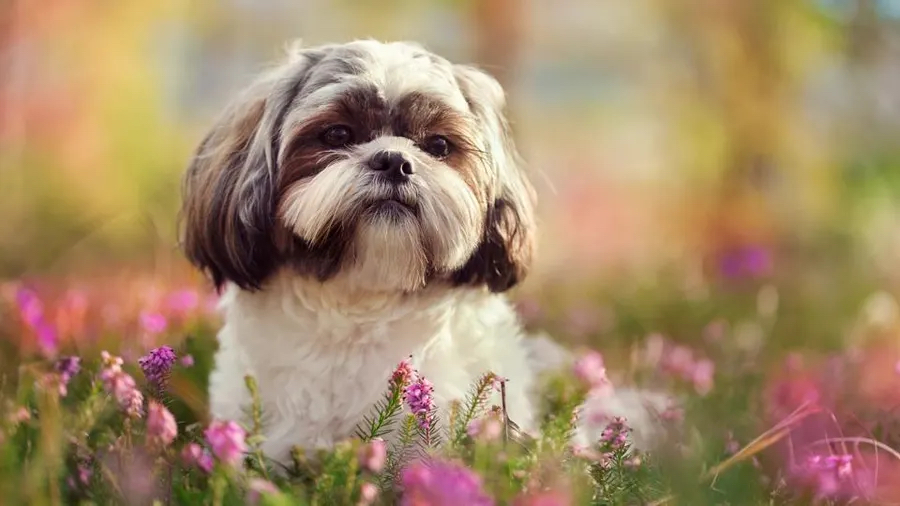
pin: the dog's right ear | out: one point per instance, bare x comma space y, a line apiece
228, 226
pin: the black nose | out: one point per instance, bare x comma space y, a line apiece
392, 165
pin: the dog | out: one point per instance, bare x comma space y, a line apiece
358, 204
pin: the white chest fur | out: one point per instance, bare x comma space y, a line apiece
322, 355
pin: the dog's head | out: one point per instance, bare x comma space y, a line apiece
382, 162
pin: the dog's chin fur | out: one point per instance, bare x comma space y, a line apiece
322, 353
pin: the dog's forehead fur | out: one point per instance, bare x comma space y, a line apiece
381, 81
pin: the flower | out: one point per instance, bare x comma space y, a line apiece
419, 397
20, 415
403, 374
702, 376
161, 425
544, 498
67, 367
258, 487
486, 428
195, 455
615, 435
121, 385
831, 476
591, 370
157, 364
183, 301
226, 439
187, 361
372, 455
437, 483
367, 494
31, 310
153, 323
748, 261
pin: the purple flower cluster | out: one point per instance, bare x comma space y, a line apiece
157, 365
121, 385
419, 396
227, 441
439, 483
615, 435
67, 367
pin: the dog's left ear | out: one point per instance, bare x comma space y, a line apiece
504, 256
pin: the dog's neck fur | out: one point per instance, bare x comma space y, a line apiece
322, 352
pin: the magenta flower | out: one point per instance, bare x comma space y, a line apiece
31, 309
439, 483
226, 439
157, 365
419, 396
161, 425
372, 456
749, 261
121, 385
592, 371
153, 323
183, 301
195, 455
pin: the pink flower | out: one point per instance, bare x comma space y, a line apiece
440, 483
161, 425
372, 455
368, 492
486, 428
259, 487
615, 435
702, 376
829, 476
20, 415
194, 455
226, 439
153, 323
183, 301
121, 385
591, 370
419, 397
403, 374
187, 361
31, 310
545, 498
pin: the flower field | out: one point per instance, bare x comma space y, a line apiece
103, 402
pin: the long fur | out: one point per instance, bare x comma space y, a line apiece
331, 274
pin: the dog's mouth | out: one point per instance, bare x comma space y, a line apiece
393, 206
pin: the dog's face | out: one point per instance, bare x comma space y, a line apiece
380, 162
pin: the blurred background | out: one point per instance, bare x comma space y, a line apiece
684, 152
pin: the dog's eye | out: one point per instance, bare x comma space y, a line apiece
437, 146
337, 136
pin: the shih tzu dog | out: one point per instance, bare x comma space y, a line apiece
360, 203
